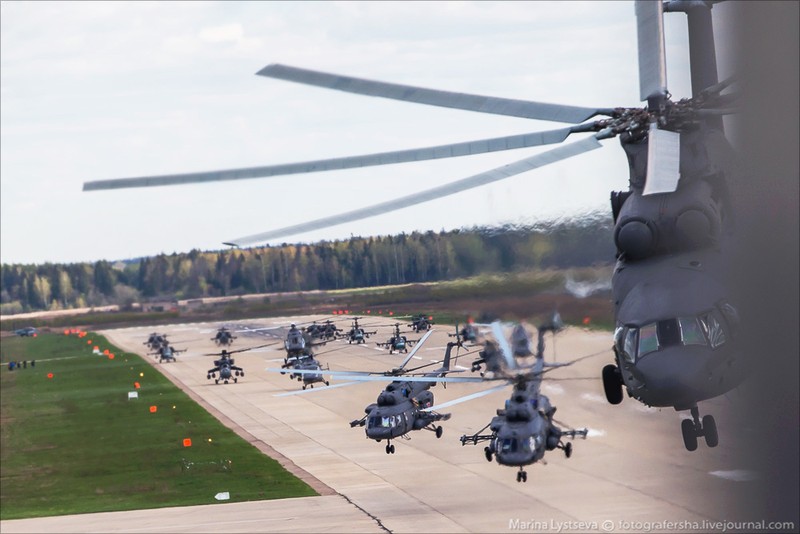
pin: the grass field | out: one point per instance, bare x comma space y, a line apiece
71, 441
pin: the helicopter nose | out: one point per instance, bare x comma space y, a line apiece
680, 376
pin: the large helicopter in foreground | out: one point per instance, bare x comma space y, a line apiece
676, 319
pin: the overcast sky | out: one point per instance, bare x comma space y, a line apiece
96, 90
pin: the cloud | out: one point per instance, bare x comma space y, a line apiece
220, 34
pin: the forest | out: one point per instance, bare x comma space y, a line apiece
355, 262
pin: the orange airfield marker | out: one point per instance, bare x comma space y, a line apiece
187, 442
153, 409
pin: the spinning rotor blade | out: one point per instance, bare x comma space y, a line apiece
433, 97
373, 377
453, 150
487, 177
503, 345
416, 348
465, 398
304, 391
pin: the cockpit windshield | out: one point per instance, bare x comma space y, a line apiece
707, 329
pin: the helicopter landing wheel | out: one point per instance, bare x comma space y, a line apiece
241, 373
216, 380
304, 387
208, 377
568, 450
612, 384
226, 381
391, 448
235, 380
689, 434
710, 431
327, 383
438, 432
522, 476
488, 452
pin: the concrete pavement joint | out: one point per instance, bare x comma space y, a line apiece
378, 521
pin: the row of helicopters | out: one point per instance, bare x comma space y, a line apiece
298, 344
518, 435
677, 320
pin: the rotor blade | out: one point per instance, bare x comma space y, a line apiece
352, 375
312, 390
652, 62
502, 344
494, 175
433, 97
465, 398
416, 348
453, 150
663, 161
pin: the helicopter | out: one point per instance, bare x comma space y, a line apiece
155, 340
357, 334
676, 318
422, 322
298, 343
523, 431
166, 353
312, 369
226, 367
400, 407
468, 332
398, 342
223, 337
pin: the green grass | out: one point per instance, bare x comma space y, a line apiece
74, 443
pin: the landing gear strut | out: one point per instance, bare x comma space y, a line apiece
694, 428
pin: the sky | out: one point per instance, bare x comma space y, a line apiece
98, 90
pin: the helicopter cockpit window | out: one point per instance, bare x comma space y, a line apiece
669, 333
629, 349
385, 422
713, 329
691, 333
648, 339
509, 445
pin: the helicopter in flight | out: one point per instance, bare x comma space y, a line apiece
166, 353
524, 430
312, 371
398, 342
357, 334
226, 367
224, 337
155, 340
676, 316
400, 407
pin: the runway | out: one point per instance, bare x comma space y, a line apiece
632, 471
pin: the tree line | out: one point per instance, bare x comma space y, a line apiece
355, 262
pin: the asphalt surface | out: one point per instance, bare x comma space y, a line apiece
631, 473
